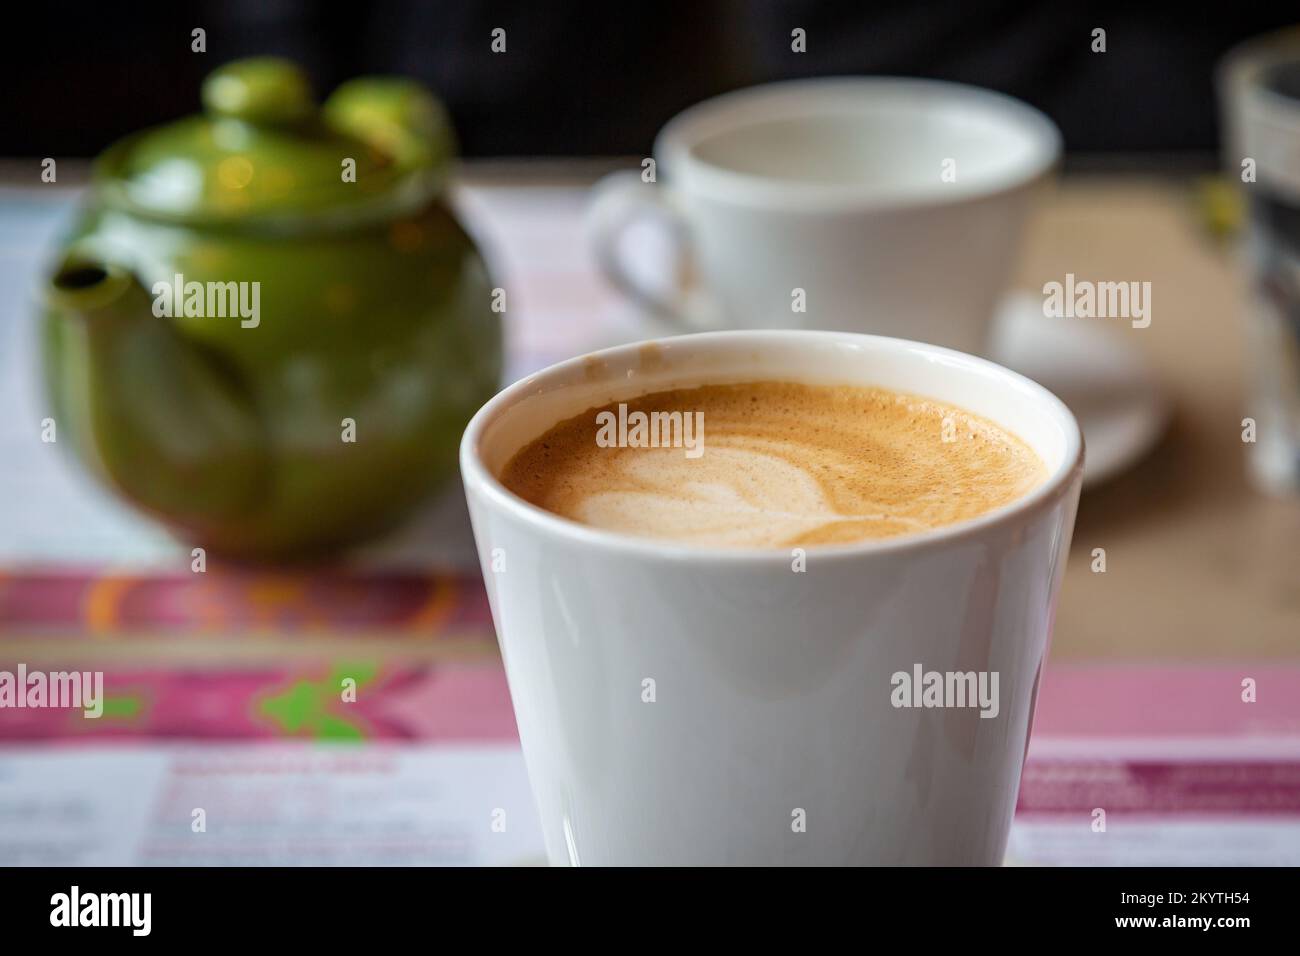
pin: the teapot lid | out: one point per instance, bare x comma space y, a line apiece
262, 151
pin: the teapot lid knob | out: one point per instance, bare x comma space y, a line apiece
262, 90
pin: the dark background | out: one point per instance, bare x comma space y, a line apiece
599, 78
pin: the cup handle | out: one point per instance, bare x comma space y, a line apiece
622, 199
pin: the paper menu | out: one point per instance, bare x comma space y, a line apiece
287, 804
424, 804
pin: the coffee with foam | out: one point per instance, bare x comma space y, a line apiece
774, 464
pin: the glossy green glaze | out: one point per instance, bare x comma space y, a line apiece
227, 421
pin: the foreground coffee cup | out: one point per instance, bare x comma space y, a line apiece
863, 204
689, 705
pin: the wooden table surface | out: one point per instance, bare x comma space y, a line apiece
1199, 564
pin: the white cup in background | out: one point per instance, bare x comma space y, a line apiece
772, 686
894, 204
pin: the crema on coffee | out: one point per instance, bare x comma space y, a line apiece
773, 464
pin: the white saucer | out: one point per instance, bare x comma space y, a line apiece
1105, 381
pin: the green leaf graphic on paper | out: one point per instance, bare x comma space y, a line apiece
313, 708
127, 706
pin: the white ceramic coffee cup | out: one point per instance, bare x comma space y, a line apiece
772, 687
895, 205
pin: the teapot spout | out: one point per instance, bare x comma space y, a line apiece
90, 287
162, 419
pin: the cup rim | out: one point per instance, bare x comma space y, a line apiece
1242, 69
477, 477
792, 99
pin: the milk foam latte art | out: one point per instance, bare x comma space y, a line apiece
784, 465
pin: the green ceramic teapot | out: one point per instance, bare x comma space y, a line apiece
266, 328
